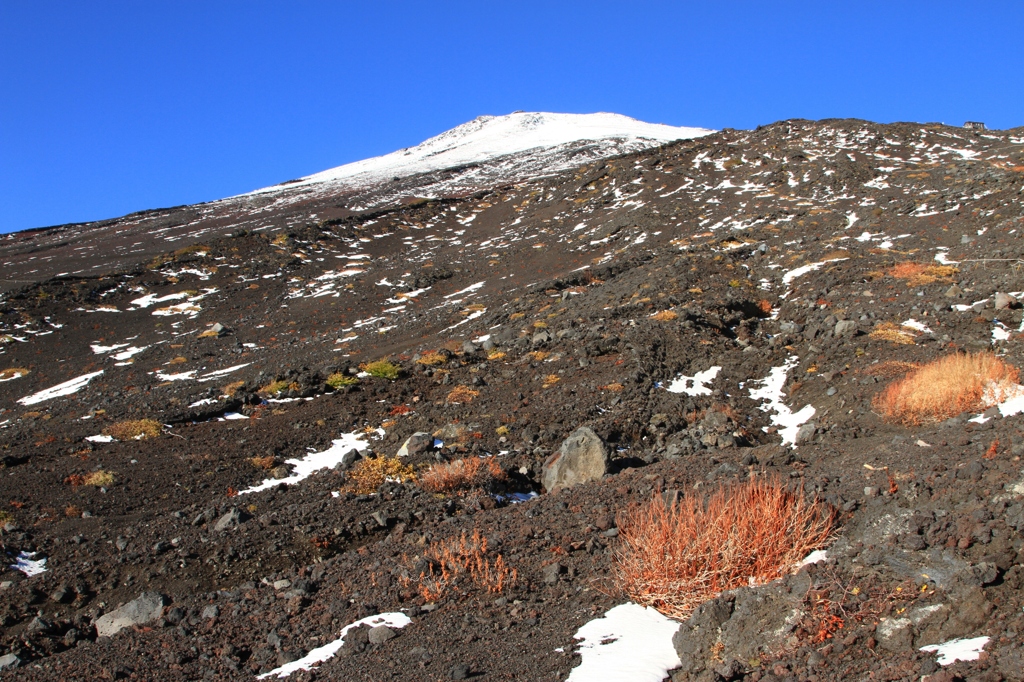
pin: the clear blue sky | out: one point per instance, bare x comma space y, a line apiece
112, 107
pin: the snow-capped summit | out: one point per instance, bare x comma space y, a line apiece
487, 139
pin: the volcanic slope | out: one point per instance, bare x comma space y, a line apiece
810, 262
488, 152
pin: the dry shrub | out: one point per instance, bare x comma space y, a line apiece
462, 474
454, 563
208, 334
12, 373
232, 388
431, 358
97, 478
177, 361
665, 316
889, 331
496, 355
461, 395
265, 463
279, 386
369, 474
614, 387
946, 387
765, 306
136, 429
918, 274
550, 380
539, 355
675, 556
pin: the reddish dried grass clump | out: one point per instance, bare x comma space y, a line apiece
461, 395
462, 474
454, 563
675, 556
917, 274
944, 388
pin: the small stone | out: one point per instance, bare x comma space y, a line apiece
870, 491
954, 292
120, 543
805, 433
9, 661
147, 608
280, 472
582, 457
282, 584
419, 442
552, 571
231, 519
846, 328
1004, 301
460, 672
210, 612
381, 634
468, 347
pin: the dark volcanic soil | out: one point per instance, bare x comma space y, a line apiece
761, 249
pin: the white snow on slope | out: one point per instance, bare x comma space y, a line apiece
67, 388
698, 384
787, 421
28, 564
321, 654
957, 650
490, 137
629, 644
315, 461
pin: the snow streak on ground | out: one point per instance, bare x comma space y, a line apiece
321, 654
27, 564
67, 388
955, 650
771, 393
698, 384
629, 643
315, 461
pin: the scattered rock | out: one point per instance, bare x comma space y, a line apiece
581, 458
417, 443
145, 609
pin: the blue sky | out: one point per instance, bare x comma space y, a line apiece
112, 107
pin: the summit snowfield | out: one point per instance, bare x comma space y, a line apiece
488, 138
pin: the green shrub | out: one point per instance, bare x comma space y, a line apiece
339, 380
382, 369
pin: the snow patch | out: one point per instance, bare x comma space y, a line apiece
698, 384
771, 395
955, 650
28, 564
629, 642
304, 467
320, 654
804, 269
67, 388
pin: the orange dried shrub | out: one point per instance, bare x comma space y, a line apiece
675, 556
456, 563
462, 474
917, 274
946, 387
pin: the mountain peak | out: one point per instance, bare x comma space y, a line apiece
487, 138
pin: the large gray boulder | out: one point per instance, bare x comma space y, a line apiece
582, 457
147, 608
